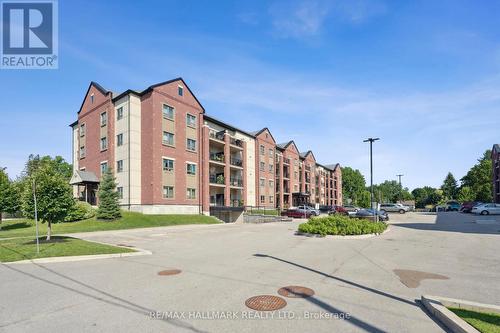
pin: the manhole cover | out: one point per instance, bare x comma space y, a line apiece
295, 292
265, 303
170, 272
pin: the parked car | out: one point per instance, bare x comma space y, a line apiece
369, 213
393, 208
486, 209
468, 205
452, 206
351, 208
299, 213
326, 208
313, 211
338, 210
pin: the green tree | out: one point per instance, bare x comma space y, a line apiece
449, 187
465, 194
353, 185
57, 163
109, 208
391, 191
364, 200
9, 195
53, 196
421, 195
479, 178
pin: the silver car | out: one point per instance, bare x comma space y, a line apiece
313, 211
393, 208
486, 209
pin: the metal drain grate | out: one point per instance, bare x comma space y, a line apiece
170, 272
296, 292
265, 303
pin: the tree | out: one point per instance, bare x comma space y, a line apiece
58, 164
9, 195
353, 185
465, 194
109, 208
391, 191
426, 196
479, 178
53, 196
364, 199
450, 186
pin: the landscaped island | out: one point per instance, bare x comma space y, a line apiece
483, 322
341, 225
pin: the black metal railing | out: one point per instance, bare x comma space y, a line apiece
217, 135
217, 157
217, 179
233, 181
236, 142
236, 161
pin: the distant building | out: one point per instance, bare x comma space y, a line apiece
495, 159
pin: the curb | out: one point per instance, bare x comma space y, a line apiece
437, 307
343, 237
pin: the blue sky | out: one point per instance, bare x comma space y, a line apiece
424, 76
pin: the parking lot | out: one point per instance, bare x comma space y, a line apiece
373, 282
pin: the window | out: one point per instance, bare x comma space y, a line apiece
296, 175
92, 99
104, 118
262, 199
191, 169
119, 166
270, 168
120, 192
119, 140
104, 143
271, 199
168, 112
168, 164
191, 145
180, 90
168, 139
262, 150
296, 188
119, 113
104, 167
168, 192
271, 184
262, 166
271, 152
262, 182
191, 120
82, 151
191, 193
82, 130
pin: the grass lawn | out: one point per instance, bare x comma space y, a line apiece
129, 220
59, 246
483, 322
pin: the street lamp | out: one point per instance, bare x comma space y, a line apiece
371, 140
400, 187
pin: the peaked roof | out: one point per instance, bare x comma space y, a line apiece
224, 124
98, 87
80, 176
257, 133
332, 166
496, 147
305, 153
284, 145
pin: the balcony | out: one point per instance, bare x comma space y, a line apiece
217, 135
217, 179
286, 161
217, 157
308, 168
236, 162
236, 142
236, 182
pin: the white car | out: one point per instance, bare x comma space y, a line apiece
393, 208
313, 211
486, 209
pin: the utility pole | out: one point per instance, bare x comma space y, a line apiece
36, 218
399, 176
401, 188
371, 140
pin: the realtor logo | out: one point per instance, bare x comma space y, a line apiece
29, 35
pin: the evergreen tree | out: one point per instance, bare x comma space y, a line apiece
450, 186
479, 178
109, 208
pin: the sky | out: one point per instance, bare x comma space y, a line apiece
423, 76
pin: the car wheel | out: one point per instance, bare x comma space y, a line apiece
402, 211
383, 212
485, 212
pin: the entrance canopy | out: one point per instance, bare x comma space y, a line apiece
83, 177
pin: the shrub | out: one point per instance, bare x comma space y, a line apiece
80, 211
341, 225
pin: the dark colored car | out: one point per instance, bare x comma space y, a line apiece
326, 208
467, 206
338, 210
369, 213
299, 213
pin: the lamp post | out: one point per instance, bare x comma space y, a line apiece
371, 140
401, 188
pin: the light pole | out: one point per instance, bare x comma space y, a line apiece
371, 140
400, 187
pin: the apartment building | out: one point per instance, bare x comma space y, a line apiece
169, 156
495, 175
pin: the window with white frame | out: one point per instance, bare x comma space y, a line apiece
119, 166
262, 149
92, 99
271, 152
271, 184
119, 189
168, 164
119, 140
168, 139
82, 130
168, 112
168, 192
119, 113
262, 199
191, 169
104, 167
271, 199
180, 91
104, 118
262, 182
271, 167
191, 144
191, 193
262, 166
104, 143
191, 120
82, 151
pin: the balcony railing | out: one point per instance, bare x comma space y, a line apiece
217, 135
286, 175
236, 142
236, 161
217, 179
236, 202
233, 181
217, 157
